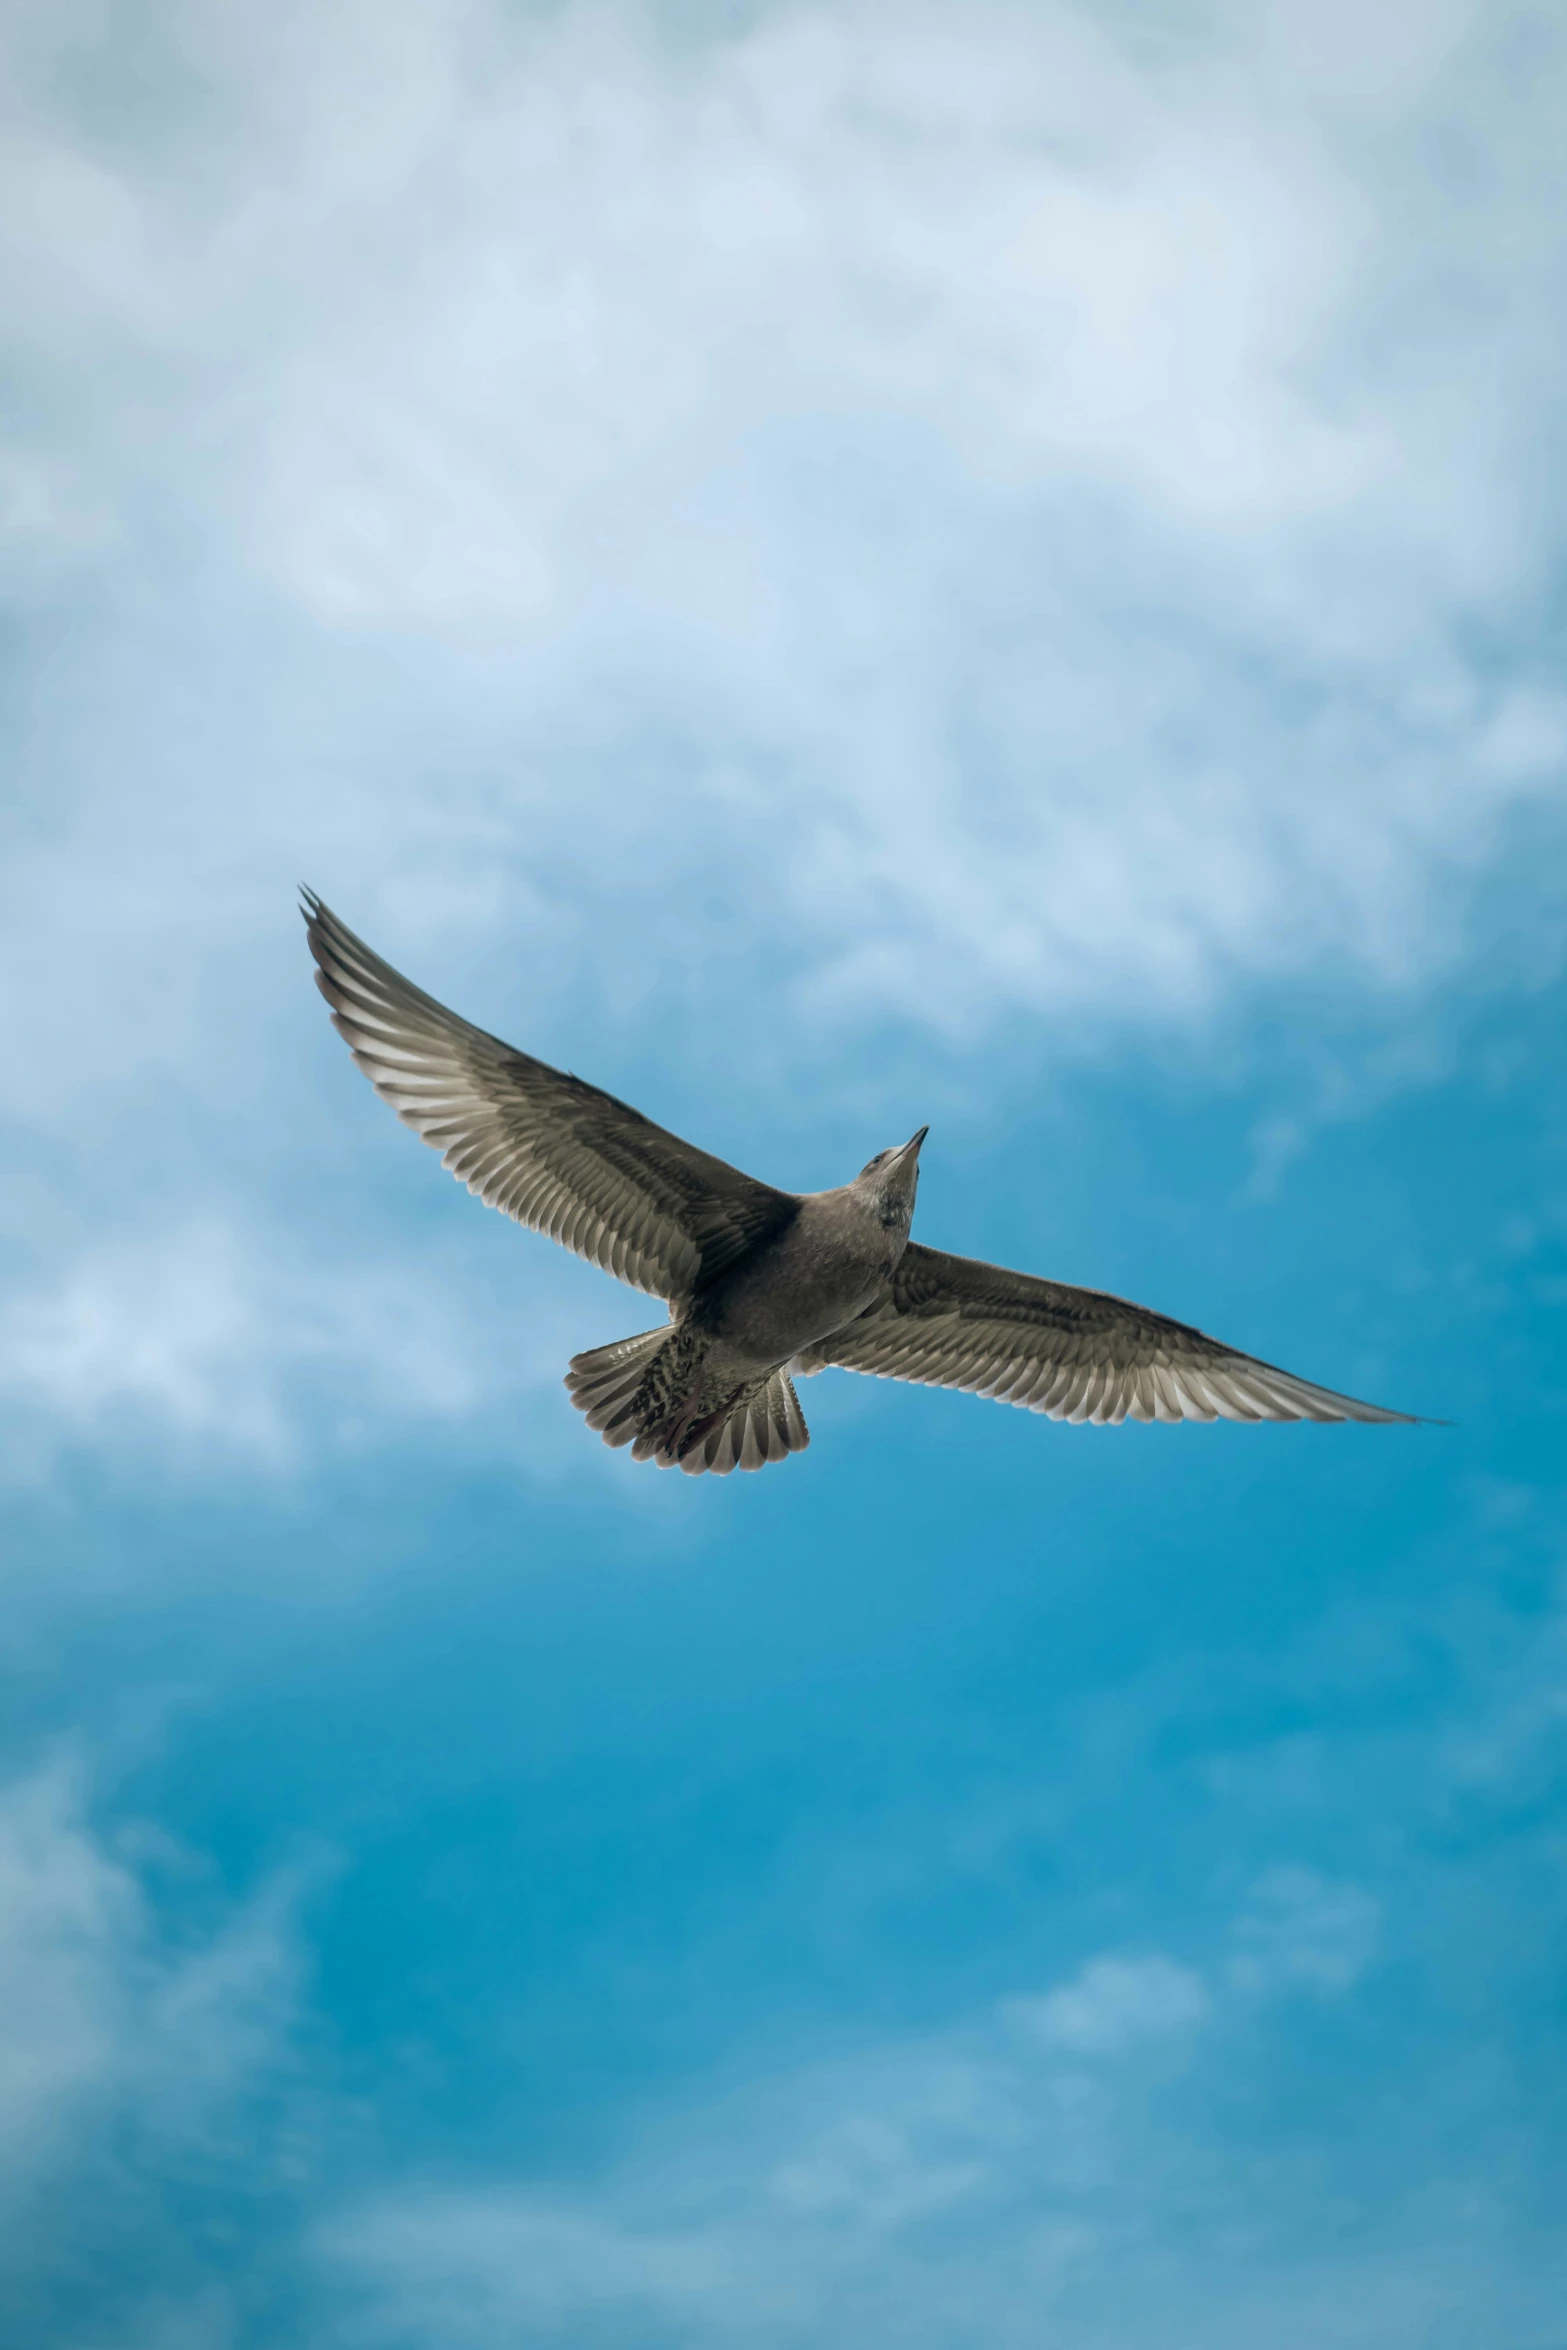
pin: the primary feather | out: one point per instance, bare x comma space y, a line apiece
540, 1145
1073, 1354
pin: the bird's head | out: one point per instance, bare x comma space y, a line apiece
892, 1178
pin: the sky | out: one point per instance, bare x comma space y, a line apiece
828, 567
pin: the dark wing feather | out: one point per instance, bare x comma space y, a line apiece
542, 1146
1076, 1354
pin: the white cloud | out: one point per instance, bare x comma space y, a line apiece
1115, 2003
980, 2169
229, 1346
149, 2090
1047, 2173
949, 512
1303, 1931
100, 2016
66, 1913
1060, 470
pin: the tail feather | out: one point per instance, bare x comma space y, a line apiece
764, 1426
606, 1382
640, 1391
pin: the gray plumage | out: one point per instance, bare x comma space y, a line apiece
762, 1283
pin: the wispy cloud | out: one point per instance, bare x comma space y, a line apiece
1046, 482
67, 1913
225, 1347
1301, 1931
998, 2175
134, 2060
1071, 2162
98, 2005
855, 514
1115, 2003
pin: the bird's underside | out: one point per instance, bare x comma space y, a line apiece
700, 1392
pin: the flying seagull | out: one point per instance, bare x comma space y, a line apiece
762, 1286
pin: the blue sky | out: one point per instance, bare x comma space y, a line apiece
829, 568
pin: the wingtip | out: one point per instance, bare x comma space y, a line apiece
309, 904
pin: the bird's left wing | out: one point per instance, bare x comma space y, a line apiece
538, 1144
1076, 1354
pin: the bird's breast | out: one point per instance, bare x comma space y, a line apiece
801, 1286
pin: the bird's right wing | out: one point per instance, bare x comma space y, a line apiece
1076, 1354
536, 1143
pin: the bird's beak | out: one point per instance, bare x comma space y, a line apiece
911, 1149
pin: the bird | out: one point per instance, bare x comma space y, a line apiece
763, 1286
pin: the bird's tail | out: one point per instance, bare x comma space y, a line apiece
616, 1385
763, 1423
646, 1392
